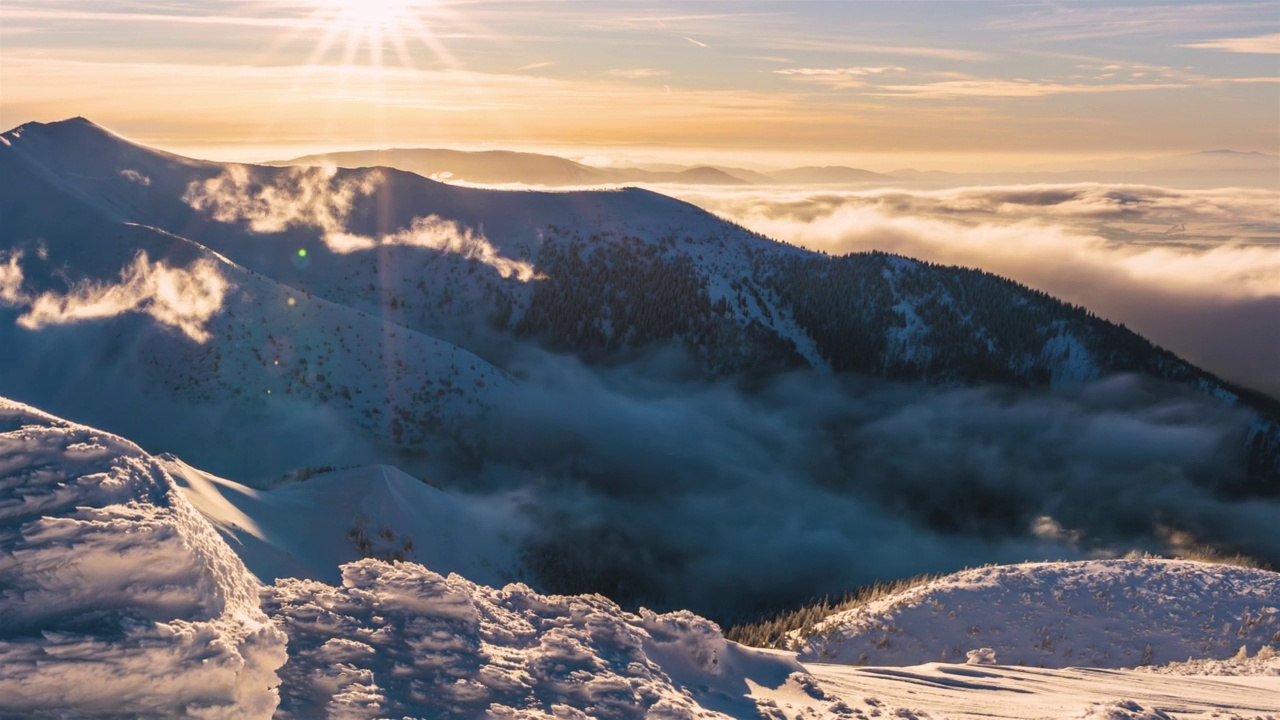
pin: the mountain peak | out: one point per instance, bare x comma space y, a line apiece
84, 145
76, 132
78, 120
75, 124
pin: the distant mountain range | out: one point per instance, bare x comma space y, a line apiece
257, 320
1214, 168
500, 167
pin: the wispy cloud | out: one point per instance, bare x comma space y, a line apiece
315, 197
135, 176
637, 73
300, 196
825, 72
696, 42
839, 78
1060, 22
435, 233
844, 45
1258, 44
997, 88
133, 17
11, 278
538, 65
181, 298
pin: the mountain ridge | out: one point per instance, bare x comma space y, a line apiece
588, 348
636, 231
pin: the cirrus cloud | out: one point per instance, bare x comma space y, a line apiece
1259, 44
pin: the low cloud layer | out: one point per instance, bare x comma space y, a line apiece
315, 197
1195, 271
181, 298
730, 501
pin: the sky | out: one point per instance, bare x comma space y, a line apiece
950, 85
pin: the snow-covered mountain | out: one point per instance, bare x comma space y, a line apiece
590, 272
120, 599
624, 358
184, 337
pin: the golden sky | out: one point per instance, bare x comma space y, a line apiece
960, 82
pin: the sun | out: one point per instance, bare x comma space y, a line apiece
373, 27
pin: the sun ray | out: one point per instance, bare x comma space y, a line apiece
380, 25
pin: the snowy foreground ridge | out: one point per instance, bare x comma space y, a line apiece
116, 596
1110, 614
119, 598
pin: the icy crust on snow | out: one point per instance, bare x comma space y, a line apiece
397, 640
1099, 613
116, 597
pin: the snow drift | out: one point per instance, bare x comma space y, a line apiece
116, 597
1099, 613
400, 640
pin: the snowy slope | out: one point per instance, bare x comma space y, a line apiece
145, 332
308, 529
443, 260
116, 597
965, 692
1100, 613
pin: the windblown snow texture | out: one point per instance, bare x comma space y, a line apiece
400, 640
117, 599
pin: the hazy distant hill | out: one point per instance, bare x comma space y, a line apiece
827, 175
493, 167
1207, 169
500, 167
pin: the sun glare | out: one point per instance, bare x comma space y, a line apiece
369, 13
373, 27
